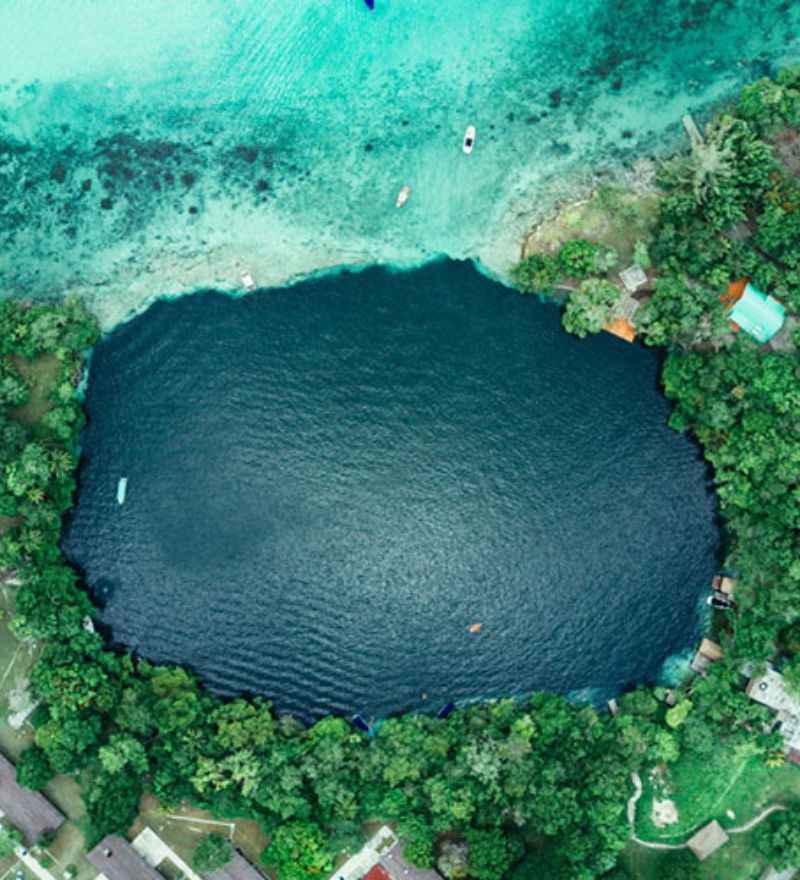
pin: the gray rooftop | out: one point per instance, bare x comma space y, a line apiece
238, 868
399, 869
29, 811
707, 840
116, 859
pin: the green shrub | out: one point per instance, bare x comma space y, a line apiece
213, 852
536, 273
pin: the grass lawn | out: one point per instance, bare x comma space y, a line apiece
742, 784
610, 216
41, 376
184, 828
735, 861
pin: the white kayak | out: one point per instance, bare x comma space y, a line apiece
469, 139
402, 196
247, 281
122, 489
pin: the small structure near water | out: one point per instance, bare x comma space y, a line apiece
758, 314
707, 840
708, 652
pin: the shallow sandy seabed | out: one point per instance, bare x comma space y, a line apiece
149, 150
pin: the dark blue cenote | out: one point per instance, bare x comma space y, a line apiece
330, 483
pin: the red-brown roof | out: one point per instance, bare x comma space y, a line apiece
377, 873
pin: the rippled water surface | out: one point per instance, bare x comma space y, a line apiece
328, 485
149, 147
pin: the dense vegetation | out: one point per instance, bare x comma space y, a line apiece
525, 790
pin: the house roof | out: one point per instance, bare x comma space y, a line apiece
238, 868
707, 840
768, 690
621, 327
757, 313
29, 811
710, 649
399, 869
377, 873
116, 859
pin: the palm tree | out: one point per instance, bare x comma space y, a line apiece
710, 161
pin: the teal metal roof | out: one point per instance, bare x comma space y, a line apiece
757, 314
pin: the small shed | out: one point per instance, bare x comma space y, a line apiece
707, 840
116, 859
710, 649
622, 328
29, 811
757, 313
238, 868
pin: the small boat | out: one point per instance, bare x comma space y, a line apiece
469, 139
476, 627
358, 721
247, 280
720, 600
122, 488
402, 196
445, 710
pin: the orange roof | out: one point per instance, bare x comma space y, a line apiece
377, 873
623, 328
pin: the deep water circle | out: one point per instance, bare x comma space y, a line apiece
329, 484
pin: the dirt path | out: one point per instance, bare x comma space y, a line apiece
740, 829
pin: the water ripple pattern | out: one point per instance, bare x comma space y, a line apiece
328, 485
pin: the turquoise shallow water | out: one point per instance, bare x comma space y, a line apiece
323, 498
148, 148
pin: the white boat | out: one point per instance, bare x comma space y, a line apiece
247, 280
469, 139
122, 488
402, 196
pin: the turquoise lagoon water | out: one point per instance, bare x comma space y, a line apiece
149, 148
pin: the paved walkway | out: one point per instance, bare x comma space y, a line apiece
33, 864
154, 851
740, 829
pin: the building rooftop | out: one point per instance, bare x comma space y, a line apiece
238, 868
621, 327
399, 869
710, 649
768, 690
116, 859
707, 840
29, 811
757, 313
377, 873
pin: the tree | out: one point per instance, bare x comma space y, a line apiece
778, 838
33, 769
536, 273
491, 853
213, 852
298, 852
579, 258
10, 839
591, 307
